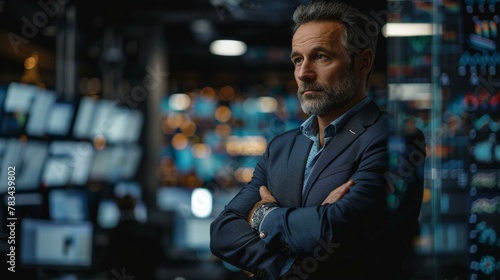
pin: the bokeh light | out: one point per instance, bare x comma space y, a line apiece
267, 104
99, 142
179, 101
201, 151
208, 93
31, 62
223, 114
243, 174
179, 141
223, 130
226, 93
201, 203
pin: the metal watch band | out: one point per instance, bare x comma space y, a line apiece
259, 214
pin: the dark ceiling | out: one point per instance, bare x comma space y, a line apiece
264, 25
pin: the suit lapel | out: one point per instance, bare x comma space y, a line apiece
347, 135
295, 170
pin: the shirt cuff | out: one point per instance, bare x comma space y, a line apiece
286, 267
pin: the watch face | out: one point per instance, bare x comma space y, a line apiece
259, 214
257, 217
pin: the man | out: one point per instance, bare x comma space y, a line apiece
317, 205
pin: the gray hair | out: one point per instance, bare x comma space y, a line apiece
360, 32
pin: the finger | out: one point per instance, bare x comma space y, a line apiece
264, 191
266, 195
348, 184
248, 273
343, 189
338, 193
331, 198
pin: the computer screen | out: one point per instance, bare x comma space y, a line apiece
19, 97
116, 163
175, 199
27, 159
108, 213
124, 161
101, 119
57, 172
39, 113
104, 118
100, 165
68, 163
15, 103
59, 119
82, 154
192, 234
124, 125
81, 128
69, 205
132, 188
56, 243
32, 158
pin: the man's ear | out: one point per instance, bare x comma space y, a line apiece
365, 61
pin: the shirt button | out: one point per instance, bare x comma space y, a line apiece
262, 234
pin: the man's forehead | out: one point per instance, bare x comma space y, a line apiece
317, 31
319, 28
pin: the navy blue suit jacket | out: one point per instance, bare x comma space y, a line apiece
360, 236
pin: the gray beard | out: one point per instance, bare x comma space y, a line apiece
331, 97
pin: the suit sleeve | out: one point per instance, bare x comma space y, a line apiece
232, 238
359, 217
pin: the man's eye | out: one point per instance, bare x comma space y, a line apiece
297, 60
320, 56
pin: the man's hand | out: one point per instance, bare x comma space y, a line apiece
338, 193
248, 273
266, 197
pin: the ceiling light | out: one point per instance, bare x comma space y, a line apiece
228, 47
408, 29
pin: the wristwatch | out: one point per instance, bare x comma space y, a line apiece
259, 214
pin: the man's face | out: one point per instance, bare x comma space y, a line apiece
325, 75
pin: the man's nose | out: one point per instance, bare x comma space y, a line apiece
306, 71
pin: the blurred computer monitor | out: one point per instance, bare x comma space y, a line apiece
116, 163
175, 199
132, 188
59, 119
83, 119
28, 160
46, 243
192, 234
68, 205
39, 113
17, 101
68, 162
108, 213
57, 171
19, 97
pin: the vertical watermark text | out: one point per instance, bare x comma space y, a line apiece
11, 219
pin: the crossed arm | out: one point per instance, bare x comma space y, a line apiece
267, 197
333, 196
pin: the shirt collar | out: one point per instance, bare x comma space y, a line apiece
310, 126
